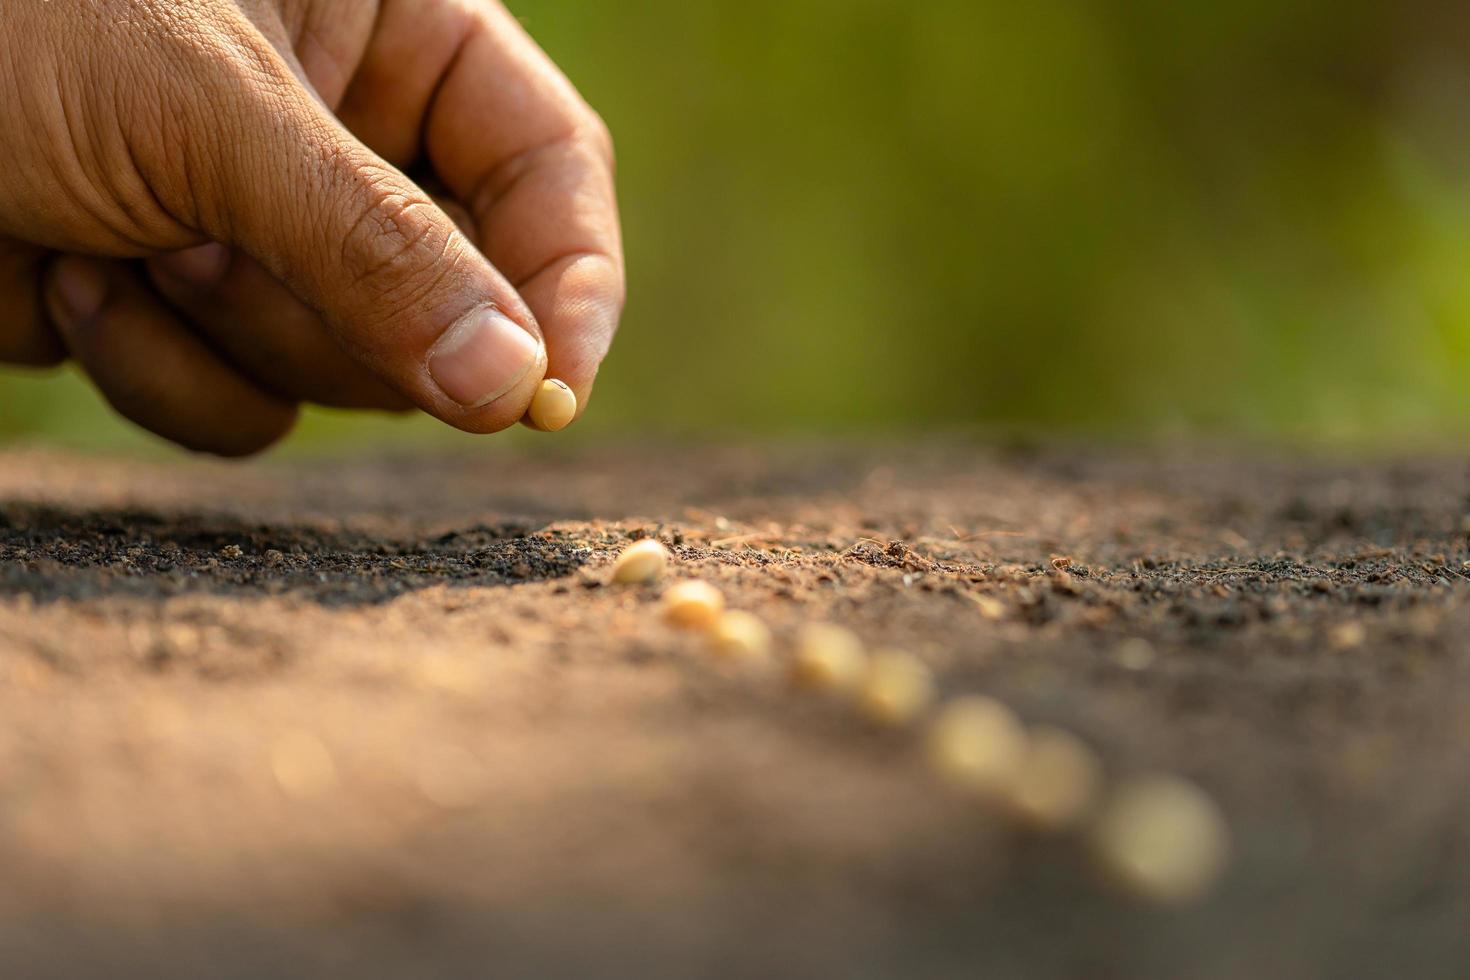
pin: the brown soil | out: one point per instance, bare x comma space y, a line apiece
385, 719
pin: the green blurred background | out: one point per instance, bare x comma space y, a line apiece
1135, 217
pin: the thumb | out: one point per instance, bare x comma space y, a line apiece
390, 273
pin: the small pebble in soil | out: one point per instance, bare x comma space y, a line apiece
741, 636
1161, 839
827, 658
896, 689
641, 562
693, 604
1059, 780
977, 744
554, 406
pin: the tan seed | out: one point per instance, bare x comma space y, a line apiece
302, 765
451, 777
1162, 839
1058, 782
641, 562
896, 689
554, 406
693, 604
1346, 636
827, 658
739, 635
1135, 653
977, 744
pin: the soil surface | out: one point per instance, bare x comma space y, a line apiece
386, 718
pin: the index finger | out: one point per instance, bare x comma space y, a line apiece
512, 139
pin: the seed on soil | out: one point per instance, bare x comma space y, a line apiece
977, 744
896, 689
1059, 780
451, 777
739, 635
1346, 636
827, 658
302, 765
641, 562
1135, 653
693, 604
554, 406
1162, 839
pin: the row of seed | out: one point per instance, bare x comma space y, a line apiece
1157, 836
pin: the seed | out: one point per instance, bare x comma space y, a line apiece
554, 406
1058, 782
1346, 636
896, 689
977, 744
828, 658
302, 765
641, 562
693, 604
1135, 653
451, 777
456, 675
739, 635
1162, 839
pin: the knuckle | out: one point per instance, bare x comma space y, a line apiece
396, 246
596, 133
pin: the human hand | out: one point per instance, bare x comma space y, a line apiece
249, 152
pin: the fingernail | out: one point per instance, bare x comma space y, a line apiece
482, 357
202, 266
80, 287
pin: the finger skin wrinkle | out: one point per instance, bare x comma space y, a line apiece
332, 41
500, 180
392, 240
569, 258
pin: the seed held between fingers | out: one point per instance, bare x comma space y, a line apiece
693, 604
741, 636
828, 658
896, 689
641, 562
977, 744
554, 406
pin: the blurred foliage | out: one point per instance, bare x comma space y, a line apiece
1131, 216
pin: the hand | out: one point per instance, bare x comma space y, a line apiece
249, 153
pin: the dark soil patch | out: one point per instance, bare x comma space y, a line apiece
50, 554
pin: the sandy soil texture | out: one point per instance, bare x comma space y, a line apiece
386, 718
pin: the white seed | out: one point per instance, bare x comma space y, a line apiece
896, 689
693, 604
554, 406
302, 765
641, 562
1058, 782
827, 658
739, 635
978, 745
1162, 839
